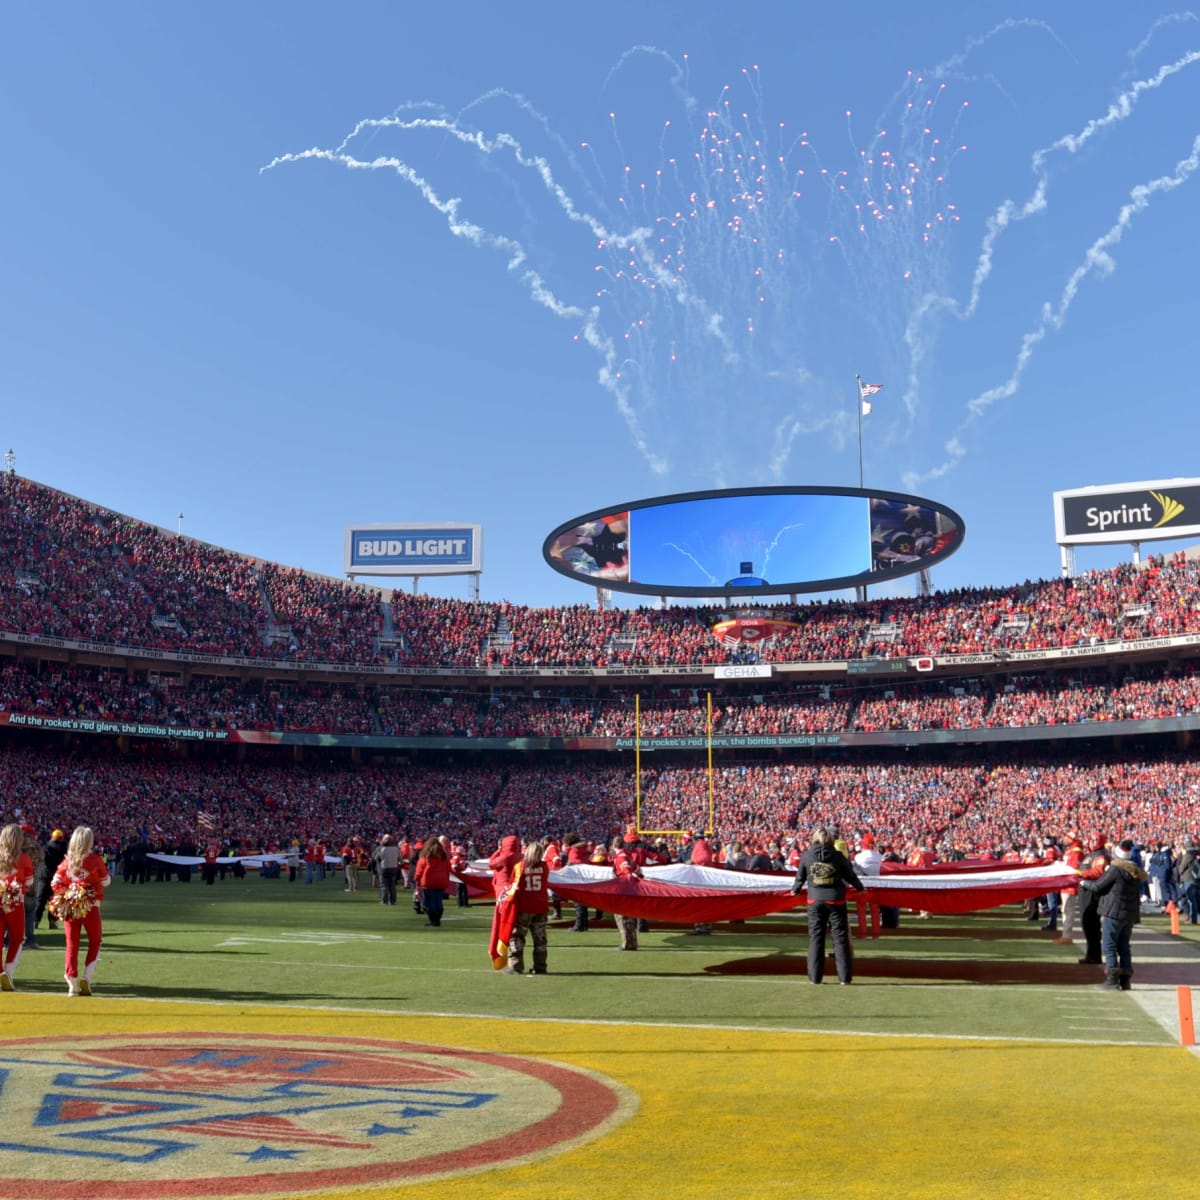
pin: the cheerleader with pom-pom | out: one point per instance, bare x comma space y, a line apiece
78, 889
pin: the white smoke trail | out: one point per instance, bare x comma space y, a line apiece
1179, 18
712, 283
708, 575
764, 570
1006, 215
678, 73
950, 65
637, 239
1097, 260
836, 425
1009, 213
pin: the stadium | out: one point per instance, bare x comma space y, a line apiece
170, 693
972, 721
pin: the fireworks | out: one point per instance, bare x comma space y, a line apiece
730, 268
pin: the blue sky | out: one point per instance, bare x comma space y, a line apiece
680, 231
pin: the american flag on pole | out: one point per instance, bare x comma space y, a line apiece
865, 390
206, 820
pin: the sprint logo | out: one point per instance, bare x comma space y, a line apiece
1170, 508
1135, 516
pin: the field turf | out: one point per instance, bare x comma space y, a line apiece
966, 1051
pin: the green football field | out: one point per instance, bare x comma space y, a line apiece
963, 1044
271, 942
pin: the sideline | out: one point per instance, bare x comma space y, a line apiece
824, 1031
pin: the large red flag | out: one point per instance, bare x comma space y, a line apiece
503, 919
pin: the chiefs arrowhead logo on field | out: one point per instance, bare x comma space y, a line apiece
160, 1115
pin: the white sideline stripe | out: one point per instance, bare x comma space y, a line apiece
820, 1030
674, 951
291, 962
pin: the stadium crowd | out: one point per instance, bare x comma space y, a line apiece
987, 805
206, 702
70, 569
73, 570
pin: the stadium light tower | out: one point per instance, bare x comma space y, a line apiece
10, 462
181, 524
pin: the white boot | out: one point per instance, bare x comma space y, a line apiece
73, 988
6, 979
85, 980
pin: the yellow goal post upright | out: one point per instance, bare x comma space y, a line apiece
637, 770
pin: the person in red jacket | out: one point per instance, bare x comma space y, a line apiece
78, 888
502, 863
350, 864
505, 866
432, 876
458, 862
211, 853
552, 857
532, 898
701, 856
16, 883
627, 862
1072, 857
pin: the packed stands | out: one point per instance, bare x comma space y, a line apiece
364, 709
73, 570
248, 646
976, 806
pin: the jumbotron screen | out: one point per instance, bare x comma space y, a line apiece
754, 541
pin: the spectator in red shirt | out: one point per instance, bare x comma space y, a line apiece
432, 876
533, 906
701, 855
628, 860
503, 862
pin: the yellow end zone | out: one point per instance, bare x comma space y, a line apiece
752, 1114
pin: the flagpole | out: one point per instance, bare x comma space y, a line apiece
858, 390
860, 592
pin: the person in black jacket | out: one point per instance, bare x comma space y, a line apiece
826, 872
1119, 904
55, 852
1187, 882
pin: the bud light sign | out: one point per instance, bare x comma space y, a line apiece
433, 549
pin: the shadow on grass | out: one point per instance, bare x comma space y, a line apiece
111, 944
904, 970
202, 995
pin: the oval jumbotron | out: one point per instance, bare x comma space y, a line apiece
754, 541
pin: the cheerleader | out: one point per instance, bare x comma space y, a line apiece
16, 882
78, 889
